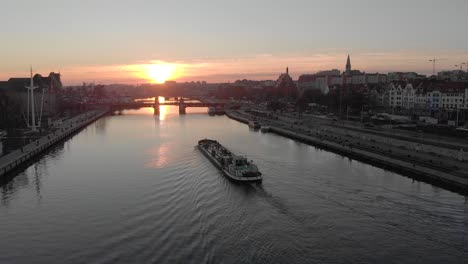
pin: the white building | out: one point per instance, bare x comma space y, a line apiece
434, 98
421, 100
408, 96
402, 95
394, 95
452, 99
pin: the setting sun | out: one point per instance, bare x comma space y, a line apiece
159, 73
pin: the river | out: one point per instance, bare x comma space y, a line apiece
133, 188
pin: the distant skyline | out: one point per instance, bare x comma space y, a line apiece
219, 41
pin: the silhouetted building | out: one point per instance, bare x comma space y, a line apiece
348, 66
285, 86
46, 95
456, 75
404, 76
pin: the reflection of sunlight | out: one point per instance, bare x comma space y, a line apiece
162, 112
161, 99
146, 111
149, 99
158, 156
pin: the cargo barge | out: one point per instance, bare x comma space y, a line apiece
235, 167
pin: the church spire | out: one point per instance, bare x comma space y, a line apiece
348, 65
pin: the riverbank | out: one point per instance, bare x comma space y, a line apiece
16, 158
413, 163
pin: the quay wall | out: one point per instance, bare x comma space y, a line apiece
13, 160
457, 154
399, 165
418, 143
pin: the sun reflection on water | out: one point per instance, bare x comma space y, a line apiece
158, 156
163, 112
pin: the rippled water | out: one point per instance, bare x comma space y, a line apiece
132, 188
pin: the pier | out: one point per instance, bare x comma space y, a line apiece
15, 159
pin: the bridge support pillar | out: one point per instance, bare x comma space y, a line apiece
182, 109
156, 105
182, 106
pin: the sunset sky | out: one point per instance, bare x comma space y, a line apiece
149, 41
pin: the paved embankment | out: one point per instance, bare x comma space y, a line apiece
16, 158
371, 155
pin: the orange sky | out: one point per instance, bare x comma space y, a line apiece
259, 67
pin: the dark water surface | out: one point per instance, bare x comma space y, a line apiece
133, 189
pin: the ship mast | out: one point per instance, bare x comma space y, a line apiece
31, 88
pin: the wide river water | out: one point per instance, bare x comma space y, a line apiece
133, 188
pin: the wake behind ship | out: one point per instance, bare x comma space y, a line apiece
237, 168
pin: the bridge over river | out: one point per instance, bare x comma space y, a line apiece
156, 104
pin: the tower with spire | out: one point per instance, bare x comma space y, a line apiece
285, 86
348, 65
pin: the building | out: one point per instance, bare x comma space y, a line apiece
348, 66
46, 96
404, 76
374, 78
285, 86
320, 80
334, 78
452, 95
456, 75
427, 96
351, 76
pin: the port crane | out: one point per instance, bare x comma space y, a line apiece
434, 60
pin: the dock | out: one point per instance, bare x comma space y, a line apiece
15, 159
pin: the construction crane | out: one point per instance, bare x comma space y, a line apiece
434, 63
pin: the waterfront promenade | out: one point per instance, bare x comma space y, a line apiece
16, 158
438, 168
